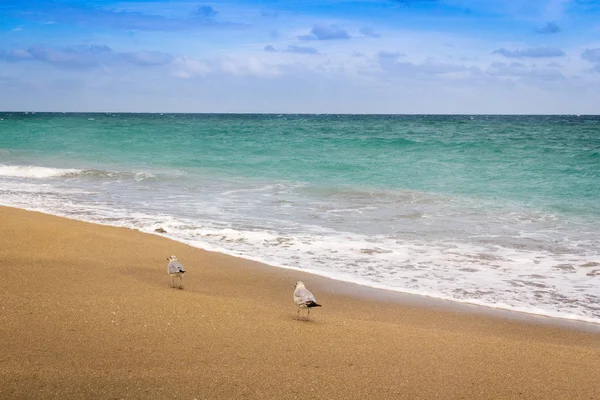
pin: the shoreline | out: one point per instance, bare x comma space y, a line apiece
383, 293
364, 290
88, 312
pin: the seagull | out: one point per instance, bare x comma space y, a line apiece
304, 299
175, 269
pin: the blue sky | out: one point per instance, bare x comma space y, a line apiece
296, 56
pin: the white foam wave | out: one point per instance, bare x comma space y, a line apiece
38, 172
485, 272
32, 171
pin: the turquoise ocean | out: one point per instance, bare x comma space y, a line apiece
501, 211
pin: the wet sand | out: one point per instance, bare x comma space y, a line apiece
87, 312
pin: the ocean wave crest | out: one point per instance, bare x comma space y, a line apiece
32, 171
37, 172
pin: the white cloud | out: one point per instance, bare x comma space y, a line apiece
520, 70
186, 67
349, 64
86, 57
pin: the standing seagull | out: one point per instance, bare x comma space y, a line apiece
304, 299
175, 269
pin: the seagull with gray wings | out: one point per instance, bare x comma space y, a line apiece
175, 269
304, 299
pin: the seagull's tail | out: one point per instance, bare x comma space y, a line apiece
312, 304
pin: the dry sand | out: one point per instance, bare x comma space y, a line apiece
88, 313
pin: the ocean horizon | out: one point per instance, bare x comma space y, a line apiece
495, 210
200, 113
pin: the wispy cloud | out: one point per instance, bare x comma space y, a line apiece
389, 56
390, 63
187, 67
45, 11
533, 52
18, 55
292, 49
268, 13
145, 58
302, 50
593, 56
205, 13
370, 32
520, 70
86, 57
549, 28
324, 32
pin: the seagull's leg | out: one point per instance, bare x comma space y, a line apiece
180, 281
298, 314
308, 314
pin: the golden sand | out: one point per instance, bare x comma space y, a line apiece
88, 313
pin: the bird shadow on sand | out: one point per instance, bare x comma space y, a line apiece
303, 320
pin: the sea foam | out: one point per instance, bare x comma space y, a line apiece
35, 172
39, 172
526, 280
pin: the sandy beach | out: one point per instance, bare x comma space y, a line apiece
88, 313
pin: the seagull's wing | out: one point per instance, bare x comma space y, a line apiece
303, 296
175, 267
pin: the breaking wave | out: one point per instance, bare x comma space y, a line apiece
32, 171
37, 172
